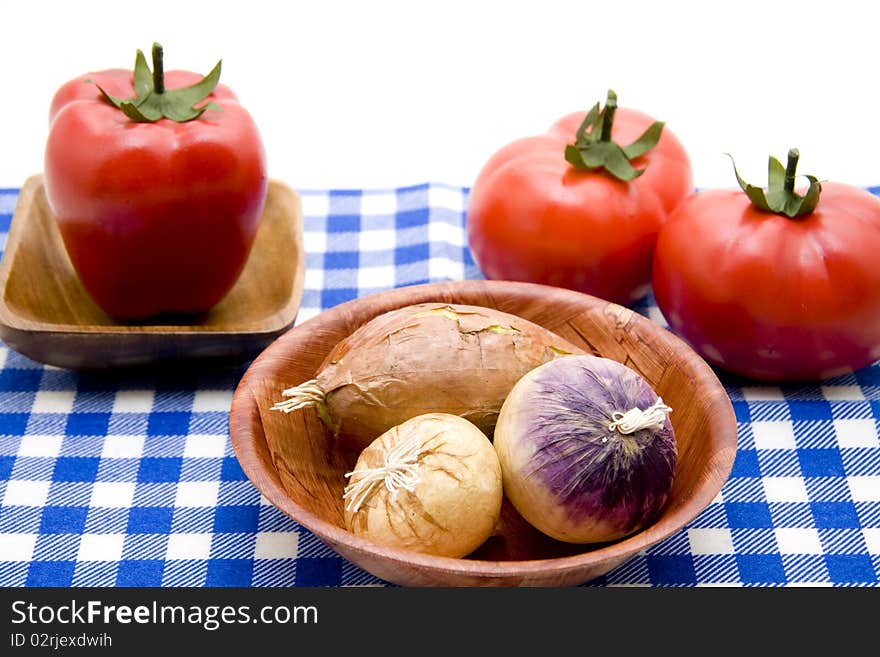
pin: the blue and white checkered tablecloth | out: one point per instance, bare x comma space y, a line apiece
120, 479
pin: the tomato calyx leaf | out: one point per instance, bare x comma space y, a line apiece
780, 196
152, 101
593, 147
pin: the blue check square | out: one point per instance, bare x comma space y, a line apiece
87, 424
63, 520
671, 570
13, 424
809, 409
229, 572
150, 520
829, 515
411, 218
235, 519
341, 260
741, 411
417, 253
343, 223
140, 573
231, 470
76, 468
850, 568
868, 376
318, 571
333, 297
746, 464
51, 573
20, 380
169, 423
821, 463
755, 515
159, 469
6, 464
763, 569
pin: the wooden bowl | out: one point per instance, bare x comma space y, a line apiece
47, 315
299, 468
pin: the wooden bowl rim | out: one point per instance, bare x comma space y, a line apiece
722, 426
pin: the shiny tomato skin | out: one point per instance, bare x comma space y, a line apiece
531, 216
156, 217
769, 297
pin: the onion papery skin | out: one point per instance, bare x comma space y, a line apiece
564, 470
430, 358
455, 503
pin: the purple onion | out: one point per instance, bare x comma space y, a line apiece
569, 466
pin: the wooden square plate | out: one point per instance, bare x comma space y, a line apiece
47, 315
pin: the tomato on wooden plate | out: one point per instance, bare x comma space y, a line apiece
774, 284
577, 209
158, 182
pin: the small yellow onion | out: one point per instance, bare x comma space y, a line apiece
431, 484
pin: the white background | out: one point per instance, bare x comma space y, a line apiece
382, 94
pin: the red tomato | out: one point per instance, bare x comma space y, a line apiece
157, 217
769, 296
532, 216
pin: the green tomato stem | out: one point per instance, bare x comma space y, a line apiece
791, 169
153, 101
594, 149
608, 116
158, 70
779, 197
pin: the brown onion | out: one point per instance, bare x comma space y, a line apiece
424, 358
